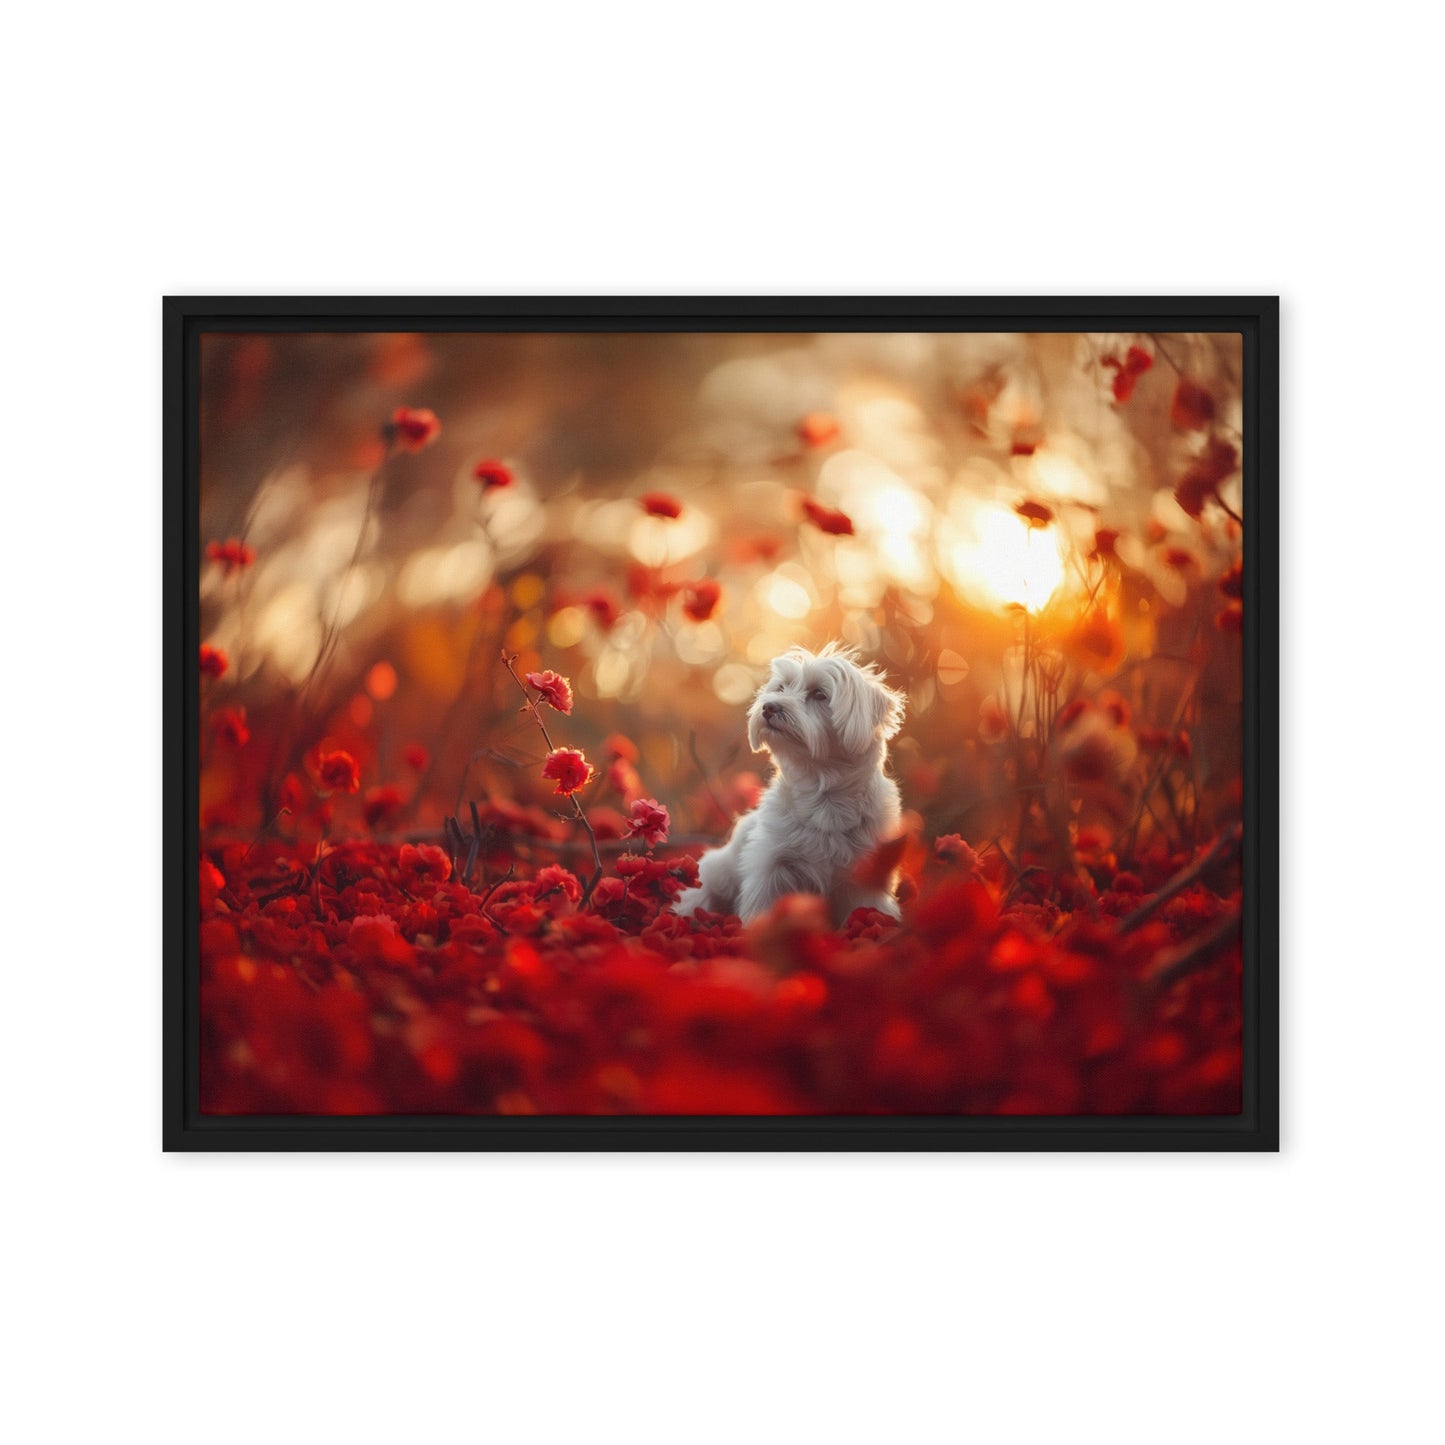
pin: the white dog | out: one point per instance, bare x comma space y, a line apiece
826, 720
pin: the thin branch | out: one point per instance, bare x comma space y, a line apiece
702, 773
1227, 843
1194, 953
1159, 347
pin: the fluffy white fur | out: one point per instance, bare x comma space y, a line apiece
826, 720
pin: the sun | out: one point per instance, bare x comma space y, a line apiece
1007, 561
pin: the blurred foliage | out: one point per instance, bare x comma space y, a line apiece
1034, 534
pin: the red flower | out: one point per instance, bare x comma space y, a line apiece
381, 805
1218, 460
603, 609
993, 723
492, 473
423, 863
415, 427
375, 939
338, 772
1192, 408
1231, 619
660, 504
877, 868
650, 584
950, 848
1117, 708
553, 879
212, 882
233, 554
1106, 540
744, 792
702, 599
415, 756
1026, 441
1127, 372
617, 746
1232, 583
1099, 640
1035, 513
214, 662
292, 793
230, 726
607, 823
649, 821
817, 429
836, 524
623, 779
555, 691
569, 769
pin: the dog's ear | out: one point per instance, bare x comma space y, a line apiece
895, 704
867, 708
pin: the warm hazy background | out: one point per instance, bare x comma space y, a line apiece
926, 443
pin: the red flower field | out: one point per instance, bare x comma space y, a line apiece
468, 725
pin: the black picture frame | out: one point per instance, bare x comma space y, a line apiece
1255, 318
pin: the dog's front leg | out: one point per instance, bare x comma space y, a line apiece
769, 879
717, 875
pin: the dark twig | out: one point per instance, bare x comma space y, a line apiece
1194, 953
1227, 843
264, 829
703, 774
1021, 875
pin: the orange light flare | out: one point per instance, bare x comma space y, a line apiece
1005, 560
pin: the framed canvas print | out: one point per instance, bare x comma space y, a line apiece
721, 723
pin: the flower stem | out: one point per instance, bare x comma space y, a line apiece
507, 661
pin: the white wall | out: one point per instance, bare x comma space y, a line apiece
748, 148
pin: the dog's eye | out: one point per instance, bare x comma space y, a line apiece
817, 695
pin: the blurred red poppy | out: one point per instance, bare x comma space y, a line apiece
826, 519
603, 608
423, 863
338, 771
617, 746
232, 554
1204, 475
493, 474
415, 427
1192, 408
817, 429
702, 599
660, 504
1127, 372
381, 806
230, 726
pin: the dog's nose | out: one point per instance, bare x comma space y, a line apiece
771, 710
